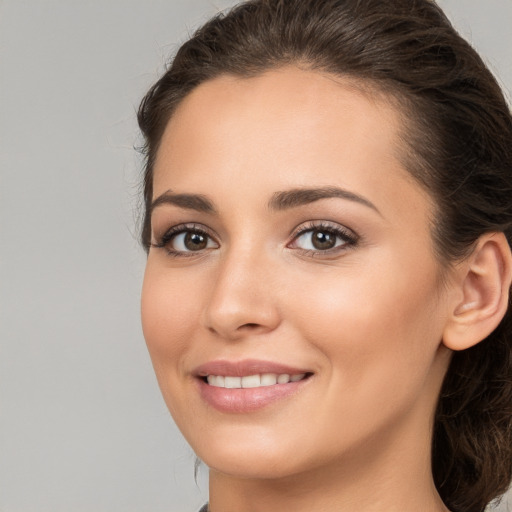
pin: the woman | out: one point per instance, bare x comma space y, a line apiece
328, 225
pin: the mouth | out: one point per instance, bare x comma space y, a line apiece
249, 385
253, 381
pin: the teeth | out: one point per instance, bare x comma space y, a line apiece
232, 382
216, 380
268, 379
252, 381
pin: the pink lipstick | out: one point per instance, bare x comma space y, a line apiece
248, 385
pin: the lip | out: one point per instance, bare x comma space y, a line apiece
246, 400
245, 368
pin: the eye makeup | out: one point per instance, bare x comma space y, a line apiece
314, 238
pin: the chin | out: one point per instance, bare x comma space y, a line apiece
253, 458
257, 467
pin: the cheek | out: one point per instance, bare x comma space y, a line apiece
378, 347
372, 324
169, 310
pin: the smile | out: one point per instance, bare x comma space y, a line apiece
252, 381
246, 386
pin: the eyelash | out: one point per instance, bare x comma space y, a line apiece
170, 234
348, 237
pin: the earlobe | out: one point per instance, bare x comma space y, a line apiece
485, 287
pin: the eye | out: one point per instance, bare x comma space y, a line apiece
323, 238
191, 241
184, 240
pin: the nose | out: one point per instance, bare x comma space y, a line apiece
243, 298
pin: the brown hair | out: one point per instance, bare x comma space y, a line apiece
458, 146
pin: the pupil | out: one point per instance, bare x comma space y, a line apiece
323, 240
195, 241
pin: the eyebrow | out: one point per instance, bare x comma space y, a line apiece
280, 200
196, 202
302, 196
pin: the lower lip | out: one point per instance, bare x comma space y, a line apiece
243, 400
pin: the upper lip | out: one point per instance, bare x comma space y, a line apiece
245, 368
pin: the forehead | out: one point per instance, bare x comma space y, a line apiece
284, 128
279, 108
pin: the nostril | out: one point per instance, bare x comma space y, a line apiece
250, 326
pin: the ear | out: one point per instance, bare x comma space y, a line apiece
484, 281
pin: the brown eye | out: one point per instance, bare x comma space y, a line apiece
195, 241
323, 240
318, 239
188, 241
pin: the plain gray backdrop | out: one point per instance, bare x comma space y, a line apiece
82, 423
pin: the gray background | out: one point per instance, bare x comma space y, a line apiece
82, 424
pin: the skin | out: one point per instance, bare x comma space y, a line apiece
367, 319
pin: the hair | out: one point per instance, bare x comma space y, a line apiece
457, 144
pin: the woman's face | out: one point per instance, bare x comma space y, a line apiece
288, 242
